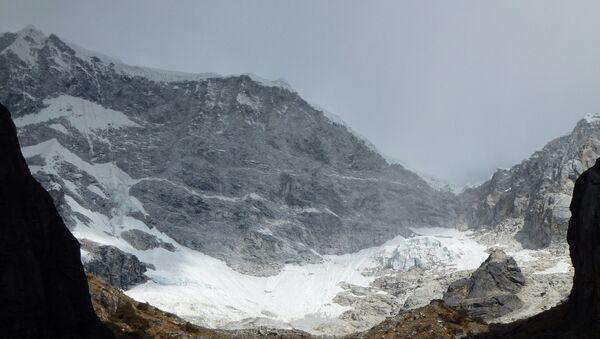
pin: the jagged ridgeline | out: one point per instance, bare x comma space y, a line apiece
235, 167
533, 197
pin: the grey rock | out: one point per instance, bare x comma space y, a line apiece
538, 190
120, 269
143, 241
490, 291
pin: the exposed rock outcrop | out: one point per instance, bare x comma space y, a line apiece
43, 288
490, 291
143, 241
535, 193
120, 269
435, 320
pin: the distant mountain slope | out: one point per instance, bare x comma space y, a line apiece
242, 170
533, 197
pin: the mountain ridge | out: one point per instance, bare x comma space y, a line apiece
531, 199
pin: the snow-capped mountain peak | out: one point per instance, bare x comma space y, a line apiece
25, 44
592, 118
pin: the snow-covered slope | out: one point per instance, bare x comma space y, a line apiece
233, 191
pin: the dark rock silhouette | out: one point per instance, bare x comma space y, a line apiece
43, 288
584, 245
490, 291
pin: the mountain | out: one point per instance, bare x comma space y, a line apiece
228, 166
44, 291
232, 192
532, 198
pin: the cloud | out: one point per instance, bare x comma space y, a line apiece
454, 89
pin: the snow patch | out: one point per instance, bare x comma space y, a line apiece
243, 99
592, 118
26, 44
560, 267
83, 115
96, 190
60, 128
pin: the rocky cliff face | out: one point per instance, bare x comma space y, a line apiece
120, 269
238, 168
533, 197
43, 289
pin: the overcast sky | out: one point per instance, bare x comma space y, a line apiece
454, 89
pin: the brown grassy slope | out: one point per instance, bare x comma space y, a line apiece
435, 320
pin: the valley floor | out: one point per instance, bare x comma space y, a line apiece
344, 294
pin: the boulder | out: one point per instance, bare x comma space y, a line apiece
120, 269
490, 291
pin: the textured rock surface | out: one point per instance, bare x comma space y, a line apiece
144, 241
237, 168
536, 192
490, 291
43, 289
120, 269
